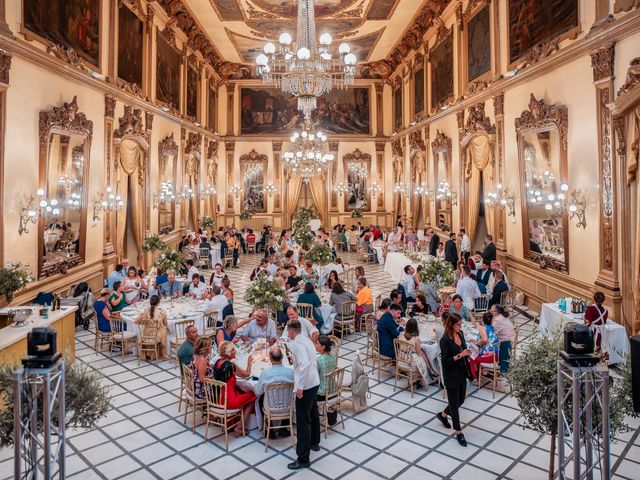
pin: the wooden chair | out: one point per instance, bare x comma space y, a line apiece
376, 303
181, 337
305, 310
190, 399
507, 300
183, 388
205, 258
368, 326
405, 366
491, 369
119, 335
278, 405
101, 337
347, 321
251, 245
333, 395
227, 261
210, 325
376, 356
335, 351
148, 341
480, 305
217, 412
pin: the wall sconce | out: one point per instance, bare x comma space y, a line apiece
576, 205
270, 189
186, 193
422, 190
235, 191
400, 188
342, 188
166, 194
107, 203
445, 191
502, 199
374, 189
29, 213
207, 192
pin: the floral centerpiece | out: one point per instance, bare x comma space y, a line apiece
245, 215
320, 254
265, 292
357, 213
12, 279
169, 260
85, 395
438, 273
302, 233
207, 223
153, 244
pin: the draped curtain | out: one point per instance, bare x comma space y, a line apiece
191, 180
478, 157
293, 193
317, 187
130, 183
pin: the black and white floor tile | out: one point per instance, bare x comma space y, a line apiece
144, 435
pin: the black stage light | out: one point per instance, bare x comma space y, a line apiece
41, 348
579, 346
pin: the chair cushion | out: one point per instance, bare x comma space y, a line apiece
222, 411
125, 336
489, 365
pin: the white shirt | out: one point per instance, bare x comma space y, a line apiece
465, 243
409, 285
272, 269
216, 304
308, 330
468, 290
191, 272
197, 291
305, 368
391, 241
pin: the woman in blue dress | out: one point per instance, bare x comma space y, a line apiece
230, 326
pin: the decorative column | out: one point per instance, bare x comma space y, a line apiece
230, 96
333, 205
602, 62
230, 149
379, 108
498, 114
380, 146
5, 66
148, 72
277, 175
110, 169
4, 28
462, 197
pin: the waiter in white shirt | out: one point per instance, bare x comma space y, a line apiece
467, 288
306, 381
409, 283
465, 246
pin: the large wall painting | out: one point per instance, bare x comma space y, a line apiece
287, 8
168, 73
70, 23
130, 36
418, 91
271, 111
441, 60
228, 10
381, 9
479, 44
536, 21
192, 91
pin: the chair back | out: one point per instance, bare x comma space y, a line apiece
481, 303
375, 342
333, 382
335, 351
507, 300
305, 310
348, 311
117, 325
148, 332
204, 252
278, 398
188, 380
215, 393
210, 324
404, 353
181, 330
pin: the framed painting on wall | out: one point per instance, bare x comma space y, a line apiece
343, 111
441, 60
418, 91
479, 44
397, 108
537, 21
192, 90
71, 23
168, 73
264, 110
130, 37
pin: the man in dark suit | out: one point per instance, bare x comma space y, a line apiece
489, 253
451, 251
484, 273
499, 288
433, 243
388, 330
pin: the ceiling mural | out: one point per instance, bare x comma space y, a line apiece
239, 28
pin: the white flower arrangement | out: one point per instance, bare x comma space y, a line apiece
265, 292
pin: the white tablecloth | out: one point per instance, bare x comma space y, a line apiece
395, 263
552, 319
327, 311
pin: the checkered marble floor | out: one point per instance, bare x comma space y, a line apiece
144, 435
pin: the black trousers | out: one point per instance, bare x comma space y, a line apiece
456, 398
308, 420
465, 256
236, 254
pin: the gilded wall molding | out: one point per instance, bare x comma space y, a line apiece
540, 114
65, 118
69, 56
193, 143
633, 77
253, 156
602, 61
5, 67
168, 146
477, 121
130, 123
109, 106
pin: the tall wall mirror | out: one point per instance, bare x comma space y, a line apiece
441, 147
542, 150
65, 146
168, 155
253, 168
357, 171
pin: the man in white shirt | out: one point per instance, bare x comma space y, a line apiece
272, 267
392, 240
192, 269
197, 289
467, 288
409, 283
465, 245
308, 329
306, 381
216, 304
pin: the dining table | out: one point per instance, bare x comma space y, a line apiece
327, 311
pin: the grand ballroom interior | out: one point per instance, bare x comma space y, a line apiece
420, 218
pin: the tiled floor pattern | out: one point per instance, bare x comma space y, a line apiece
144, 435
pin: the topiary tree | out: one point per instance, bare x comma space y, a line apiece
302, 233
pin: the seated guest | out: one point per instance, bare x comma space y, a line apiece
216, 303
506, 333
204, 243
364, 297
488, 343
294, 282
201, 365
382, 309
309, 330
499, 288
596, 315
217, 275
339, 296
171, 288
185, 351
156, 318
118, 299
481, 286
327, 363
420, 307
260, 327
411, 335
440, 253
197, 289
191, 269
357, 273
310, 296
309, 274
117, 274
475, 261
430, 292
459, 308
103, 310
226, 289
467, 288
484, 272
225, 370
388, 330
332, 279
277, 373
396, 298
534, 246
409, 283
161, 278
132, 285
230, 326
262, 267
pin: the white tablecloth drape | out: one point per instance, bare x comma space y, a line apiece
552, 319
395, 263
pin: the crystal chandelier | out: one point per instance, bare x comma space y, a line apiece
306, 69
307, 156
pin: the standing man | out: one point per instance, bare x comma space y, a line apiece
433, 242
451, 251
465, 246
489, 252
306, 381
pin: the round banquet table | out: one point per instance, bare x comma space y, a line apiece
327, 311
396, 261
179, 309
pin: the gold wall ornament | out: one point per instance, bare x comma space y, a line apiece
5, 66
109, 106
633, 77
130, 123
477, 121
538, 53
193, 144
65, 118
540, 114
68, 55
602, 61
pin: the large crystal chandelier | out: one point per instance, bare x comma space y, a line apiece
308, 156
306, 69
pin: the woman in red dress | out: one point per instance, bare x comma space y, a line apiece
596, 314
225, 370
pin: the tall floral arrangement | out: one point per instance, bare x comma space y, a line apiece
207, 223
169, 260
265, 292
438, 273
320, 254
13, 278
153, 244
302, 234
